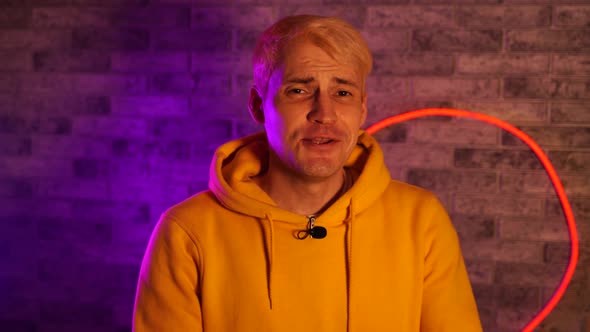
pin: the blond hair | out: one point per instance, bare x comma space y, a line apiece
336, 37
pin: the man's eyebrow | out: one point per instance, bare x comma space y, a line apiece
345, 81
301, 80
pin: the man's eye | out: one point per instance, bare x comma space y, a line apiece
344, 93
296, 91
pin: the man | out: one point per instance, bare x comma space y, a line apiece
302, 228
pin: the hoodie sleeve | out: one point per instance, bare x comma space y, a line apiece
167, 292
448, 304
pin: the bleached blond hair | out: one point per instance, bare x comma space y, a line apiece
336, 37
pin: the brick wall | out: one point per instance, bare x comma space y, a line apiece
110, 110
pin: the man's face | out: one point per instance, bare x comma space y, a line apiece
312, 111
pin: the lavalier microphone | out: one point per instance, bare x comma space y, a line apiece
316, 232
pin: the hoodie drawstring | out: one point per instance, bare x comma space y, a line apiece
269, 235
350, 224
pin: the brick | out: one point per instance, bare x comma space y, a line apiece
386, 40
480, 272
511, 112
140, 62
164, 150
71, 61
496, 158
474, 227
417, 154
518, 297
453, 180
576, 185
201, 84
15, 61
22, 166
519, 251
150, 106
206, 105
484, 295
570, 161
97, 105
246, 40
580, 207
355, 15
409, 16
59, 103
11, 145
565, 64
527, 274
108, 3
503, 16
133, 192
393, 134
68, 146
459, 131
130, 39
456, 40
525, 182
18, 188
563, 321
479, 250
502, 205
573, 113
456, 87
44, 124
184, 129
34, 40
387, 85
9, 83
256, 18
572, 16
74, 188
502, 64
90, 168
356, 2
130, 171
514, 319
552, 136
109, 127
195, 40
413, 64
545, 87
12, 18
548, 40
533, 230
234, 62
113, 84
558, 253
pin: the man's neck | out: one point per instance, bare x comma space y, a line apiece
299, 195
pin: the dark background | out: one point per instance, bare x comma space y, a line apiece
110, 111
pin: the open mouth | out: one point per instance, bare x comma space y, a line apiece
321, 140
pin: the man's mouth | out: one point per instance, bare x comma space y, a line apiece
321, 140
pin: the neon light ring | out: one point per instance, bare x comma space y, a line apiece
567, 210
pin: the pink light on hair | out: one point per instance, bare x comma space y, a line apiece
567, 210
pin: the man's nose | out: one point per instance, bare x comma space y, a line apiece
322, 110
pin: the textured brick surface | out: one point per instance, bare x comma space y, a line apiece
506, 16
548, 40
110, 111
502, 64
574, 113
457, 40
409, 16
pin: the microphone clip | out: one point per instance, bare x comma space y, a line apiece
316, 232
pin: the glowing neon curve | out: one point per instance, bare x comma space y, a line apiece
567, 210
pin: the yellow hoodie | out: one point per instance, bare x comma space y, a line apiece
229, 260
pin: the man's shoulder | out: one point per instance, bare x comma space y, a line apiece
400, 188
194, 207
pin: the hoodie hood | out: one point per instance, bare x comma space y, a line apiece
237, 162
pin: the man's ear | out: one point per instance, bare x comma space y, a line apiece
364, 108
255, 105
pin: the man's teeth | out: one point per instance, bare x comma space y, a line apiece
320, 140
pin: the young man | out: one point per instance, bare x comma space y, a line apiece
302, 228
